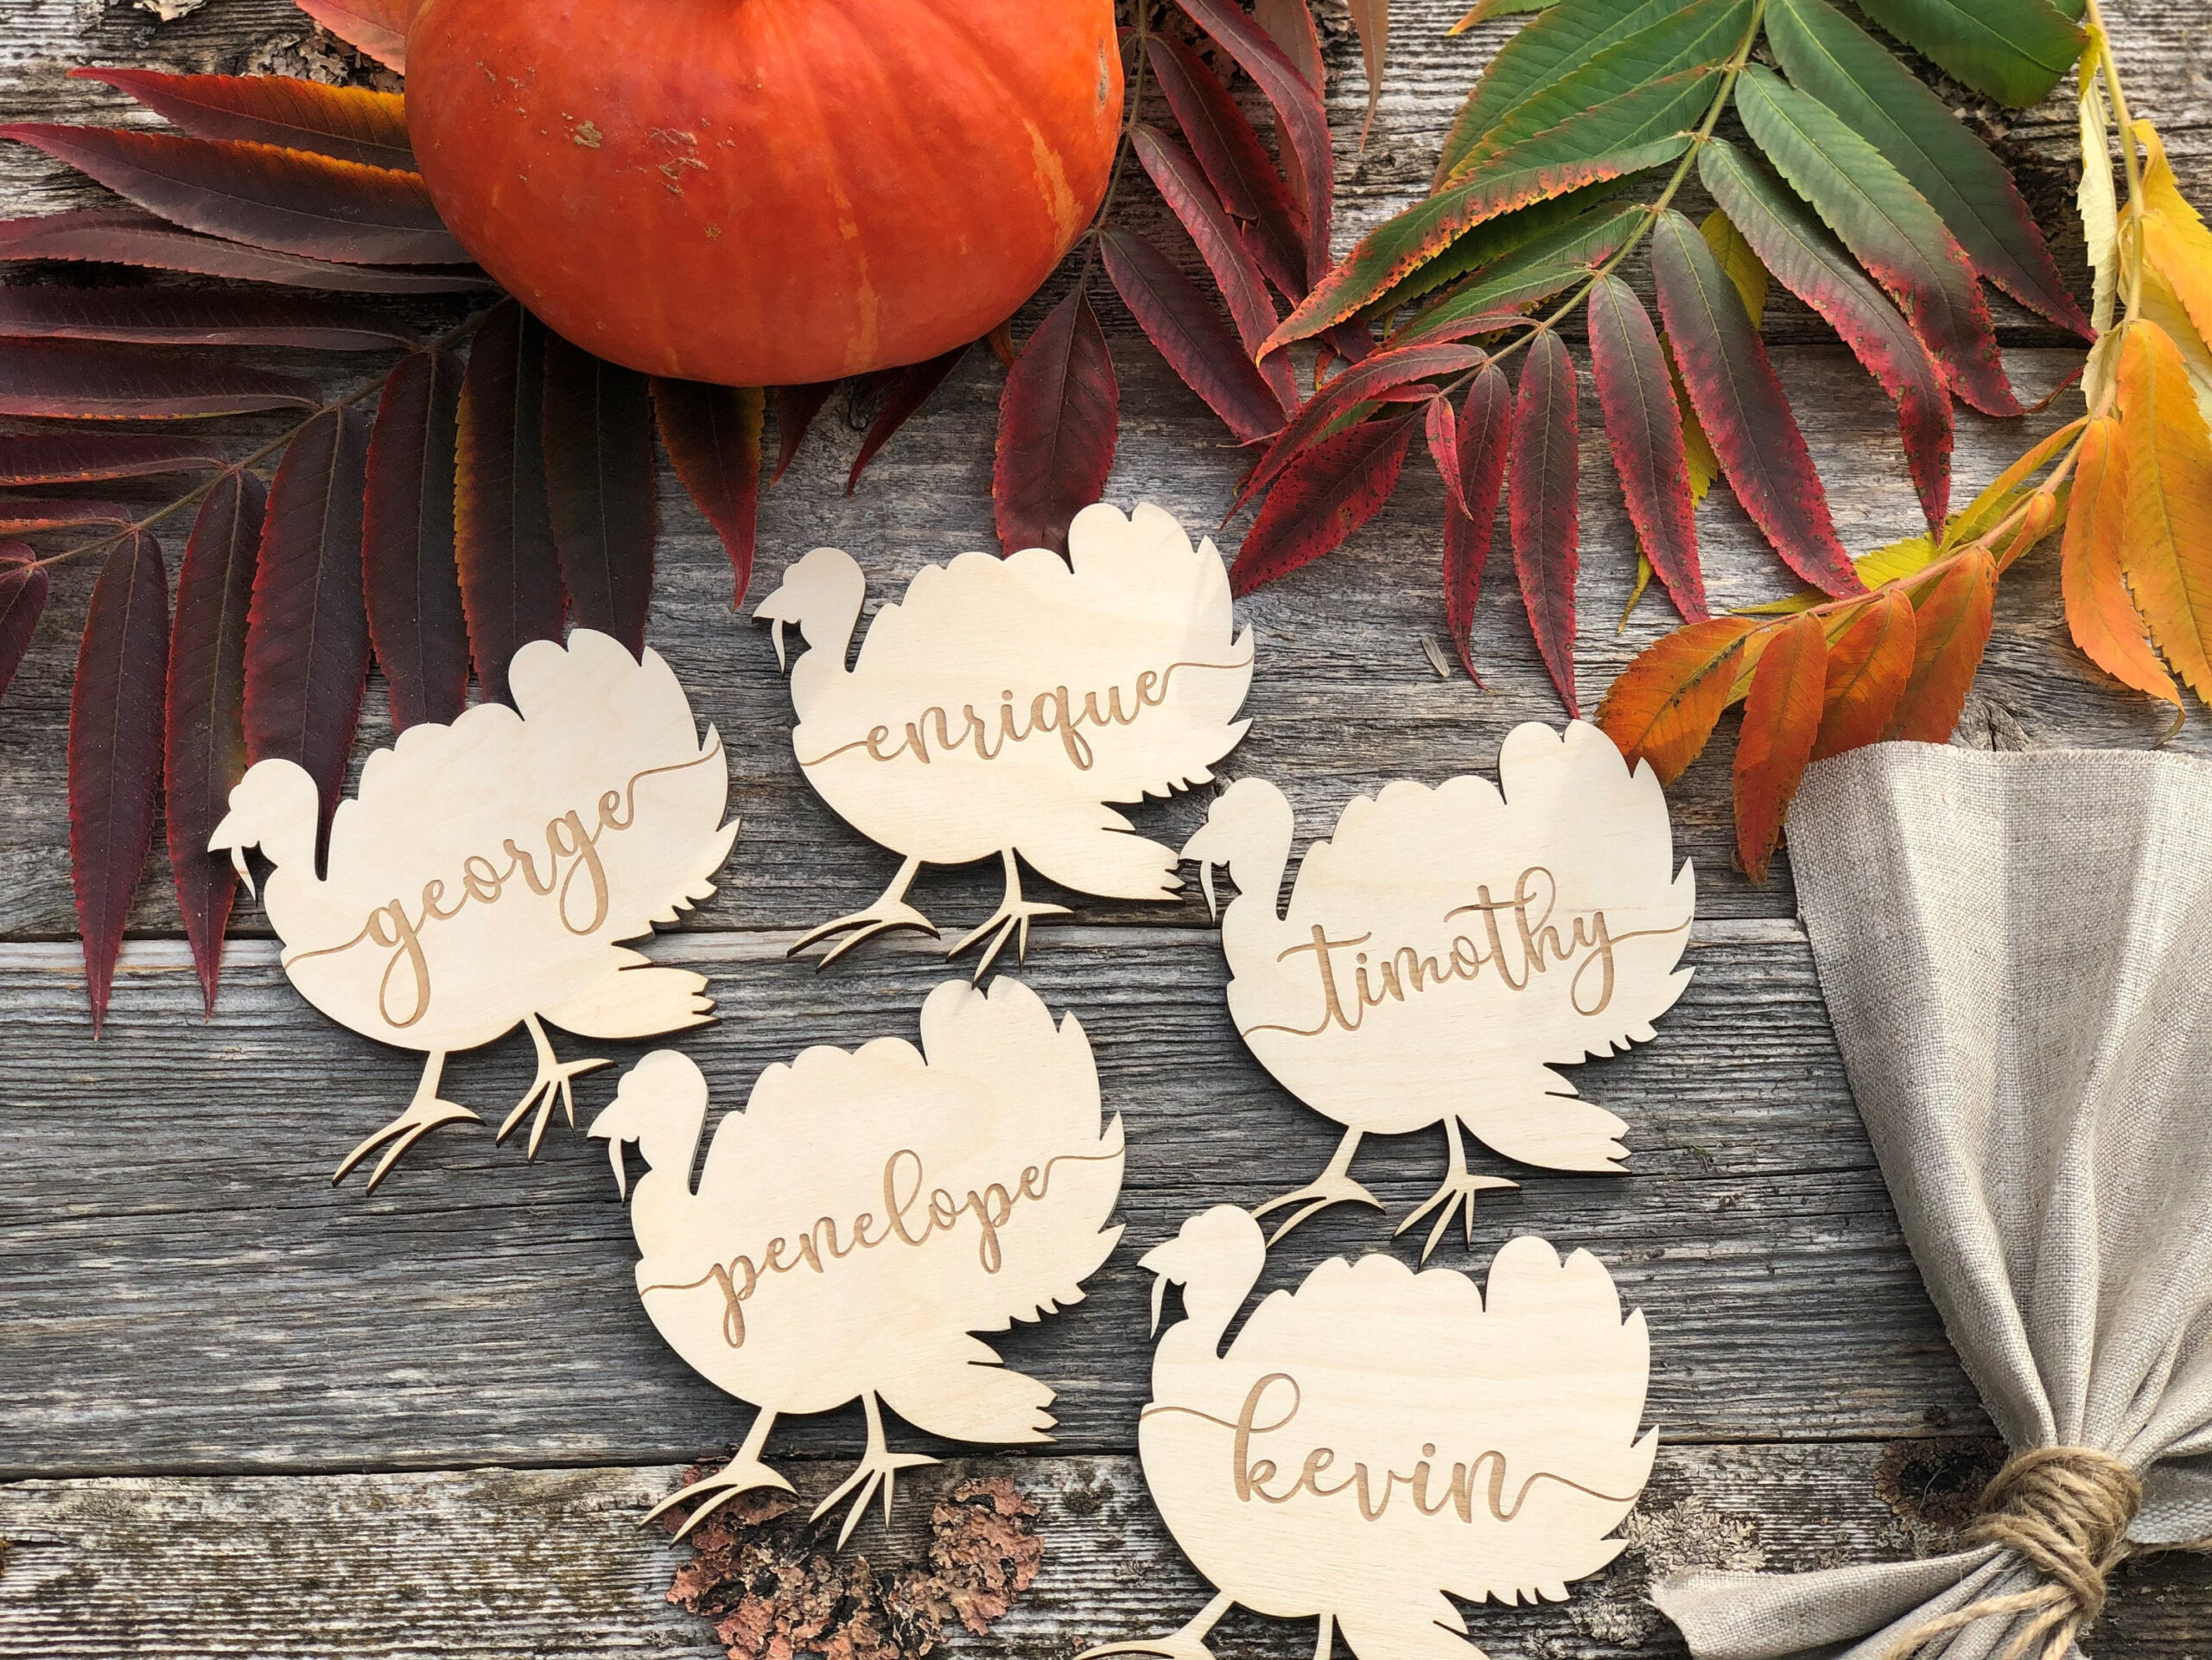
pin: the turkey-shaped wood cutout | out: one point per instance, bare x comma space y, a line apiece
1446, 947
865, 1213
485, 874
1379, 1438
1003, 704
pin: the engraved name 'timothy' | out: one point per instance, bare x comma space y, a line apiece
1514, 938
1053, 713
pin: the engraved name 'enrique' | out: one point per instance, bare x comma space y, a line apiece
1514, 938
1054, 713
571, 857
1250, 1477
908, 1219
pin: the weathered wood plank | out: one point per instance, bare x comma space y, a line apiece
185, 1289
551, 1563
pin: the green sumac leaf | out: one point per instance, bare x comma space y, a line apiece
1533, 272
1697, 36
1491, 241
1837, 62
1528, 173
1557, 44
1888, 225
2015, 50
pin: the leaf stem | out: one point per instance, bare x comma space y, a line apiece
453, 336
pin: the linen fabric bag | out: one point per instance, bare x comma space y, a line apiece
2016, 950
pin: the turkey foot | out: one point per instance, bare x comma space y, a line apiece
552, 1079
1014, 912
741, 1474
879, 1465
1459, 1190
1334, 1186
424, 1114
890, 911
1188, 1644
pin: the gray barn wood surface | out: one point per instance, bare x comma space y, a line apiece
242, 1413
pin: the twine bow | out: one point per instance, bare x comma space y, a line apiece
2065, 1510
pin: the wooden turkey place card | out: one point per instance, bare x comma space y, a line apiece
485, 874
866, 1211
1003, 704
1445, 949
1379, 1438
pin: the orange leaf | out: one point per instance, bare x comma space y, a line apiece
1781, 717
2165, 539
1870, 660
2035, 523
1951, 629
1662, 707
2099, 608
2175, 240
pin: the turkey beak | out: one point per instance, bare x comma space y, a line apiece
1196, 849
1160, 1262
612, 1133
237, 863
232, 835
782, 664
770, 611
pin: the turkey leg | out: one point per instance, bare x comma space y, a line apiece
1189, 1644
1334, 1186
890, 911
1458, 1190
741, 1474
424, 1114
879, 1465
1013, 911
552, 1079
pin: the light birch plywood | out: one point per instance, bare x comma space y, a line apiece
485, 874
1378, 1441
1003, 704
1445, 949
866, 1212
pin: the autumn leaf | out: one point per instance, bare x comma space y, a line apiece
1869, 664
599, 486
1781, 716
350, 123
1482, 433
909, 388
2165, 537
712, 433
413, 587
1950, 631
23, 588
1543, 484
1645, 435
1057, 421
1665, 704
503, 529
1328, 492
2101, 613
126, 236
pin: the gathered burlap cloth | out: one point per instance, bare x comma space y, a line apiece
2016, 955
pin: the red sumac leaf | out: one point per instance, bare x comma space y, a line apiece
149, 316
1644, 428
1741, 405
22, 598
1780, 715
1373, 377
503, 531
1440, 426
1235, 161
78, 380
125, 237
1543, 484
599, 479
1485, 430
287, 200
795, 408
712, 435
114, 750
204, 756
1304, 120
910, 388
1951, 631
83, 457
350, 123
1332, 488
1227, 251
376, 27
409, 572
307, 644
1663, 707
1869, 662
1057, 421
1190, 334
20, 516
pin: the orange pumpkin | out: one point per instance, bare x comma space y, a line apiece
764, 193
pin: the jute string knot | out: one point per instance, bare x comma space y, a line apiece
2065, 1510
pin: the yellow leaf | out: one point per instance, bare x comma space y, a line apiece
2100, 612
1993, 503
1884, 564
2099, 208
2165, 541
1735, 257
2176, 244
1698, 460
2157, 303
1636, 594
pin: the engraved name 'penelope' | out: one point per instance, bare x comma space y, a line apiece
571, 858
1251, 1478
1053, 713
1514, 937
909, 1218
